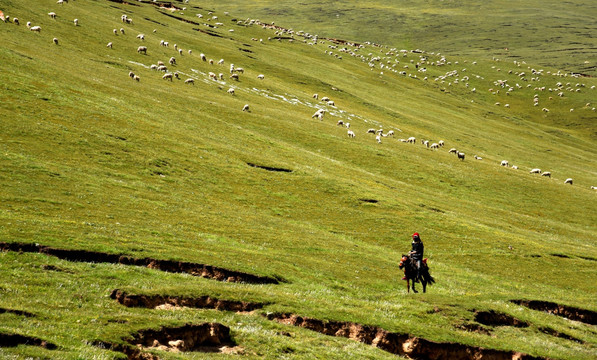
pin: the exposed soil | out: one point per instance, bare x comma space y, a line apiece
12, 340
474, 328
203, 302
16, 312
371, 201
493, 318
406, 345
202, 270
206, 337
269, 168
552, 332
569, 312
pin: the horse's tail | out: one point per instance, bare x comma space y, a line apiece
428, 278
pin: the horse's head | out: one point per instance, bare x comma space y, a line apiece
403, 261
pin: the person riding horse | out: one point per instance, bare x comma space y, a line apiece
416, 252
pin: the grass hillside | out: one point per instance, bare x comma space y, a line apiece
549, 33
96, 162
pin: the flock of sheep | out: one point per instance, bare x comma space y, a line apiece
389, 62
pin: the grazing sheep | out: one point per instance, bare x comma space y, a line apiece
434, 146
204, 58
129, 21
234, 77
441, 143
452, 150
461, 156
52, 15
390, 133
351, 134
211, 61
167, 76
425, 142
593, 187
325, 99
221, 76
504, 163
378, 138
546, 173
221, 62
29, 24
212, 76
318, 114
340, 123
189, 81
16, 22
142, 49
190, 51
109, 45
136, 78
55, 40
172, 61
514, 167
180, 51
411, 140
535, 171
477, 157
231, 91
246, 107
131, 74
115, 31
76, 22
372, 131
568, 181
261, 76
122, 31
176, 75
162, 68
347, 125
35, 28
141, 37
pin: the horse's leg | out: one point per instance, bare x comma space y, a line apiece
424, 285
414, 290
407, 285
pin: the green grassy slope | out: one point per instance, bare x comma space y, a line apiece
94, 160
550, 33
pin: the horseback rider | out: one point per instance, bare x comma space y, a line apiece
416, 252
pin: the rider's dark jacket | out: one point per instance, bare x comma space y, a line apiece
418, 250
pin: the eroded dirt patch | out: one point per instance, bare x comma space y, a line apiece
202, 302
202, 270
406, 345
268, 168
569, 312
16, 312
474, 328
206, 337
493, 318
552, 332
12, 340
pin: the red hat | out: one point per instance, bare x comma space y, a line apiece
415, 235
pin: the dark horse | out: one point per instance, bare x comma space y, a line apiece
410, 272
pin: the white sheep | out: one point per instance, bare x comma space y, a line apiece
231, 91
391, 133
180, 51
16, 22
261, 76
109, 45
172, 61
212, 76
535, 171
35, 28
340, 123
234, 77
76, 22
568, 181
347, 125
203, 57
246, 107
190, 51
325, 99
315, 96
504, 163
546, 173
55, 41
189, 81
318, 114
452, 150
351, 134
136, 78
593, 187
441, 143
411, 140
52, 15
461, 156
122, 31
378, 138
142, 49
167, 76
477, 157
434, 146
141, 37
425, 142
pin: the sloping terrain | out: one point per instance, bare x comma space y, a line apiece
166, 189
